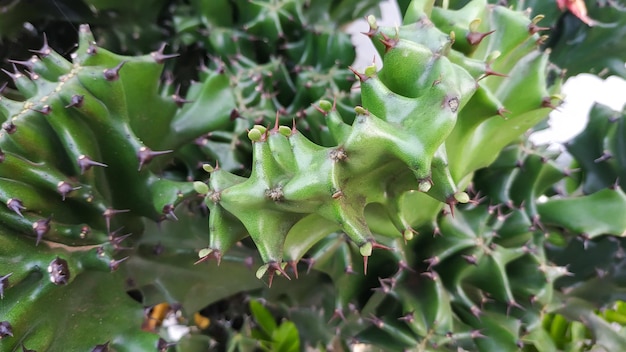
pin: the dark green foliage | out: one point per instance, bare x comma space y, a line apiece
420, 219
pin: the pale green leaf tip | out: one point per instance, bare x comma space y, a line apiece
201, 187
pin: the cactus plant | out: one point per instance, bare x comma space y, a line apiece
467, 232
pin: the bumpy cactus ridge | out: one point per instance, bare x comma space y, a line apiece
74, 171
399, 100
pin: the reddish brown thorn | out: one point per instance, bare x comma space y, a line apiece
76, 101
115, 264
433, 261
168, 210
9, 127
116, 241
85, 163
502, 112
234, 114
108, 215
26, 63
615, 186
389, 43
490, 72
101, 348
4, 283
92, 49
309, 262
386, 285
163, 346
113, 74
215, 254
606, 155
180, 101
337, 313
349, 270
145, 155
275, 129
402, 266
474, 38
365, 259
477, 334
470, 259
294, 267
14, 75
45, 48
408, 317
41, 228
546, 102
379, 323
16, 206
159, 57
430, 274
512, 304
272, 269
477, 312
362, 77
45, 110
64, 188
534, 28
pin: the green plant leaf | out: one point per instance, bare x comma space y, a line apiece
263, 317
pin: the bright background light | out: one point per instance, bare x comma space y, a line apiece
580, 92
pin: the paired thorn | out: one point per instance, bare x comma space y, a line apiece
41, 228
180, 101
116, 241
16, 206
145, 155
14, 75
64, 188
213, 254
159, 56
113, 74
115, 264
294, 267
45, 49
408, 317
29, 64
168, 211
109, 213
85, 163
512, 304
337, 313
362, 77
389, 43
272, 269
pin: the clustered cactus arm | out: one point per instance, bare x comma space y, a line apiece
474, 258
